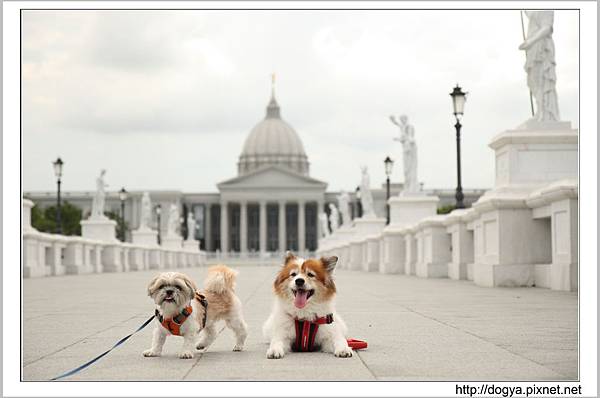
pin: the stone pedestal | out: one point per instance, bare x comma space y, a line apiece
513, 245
103, 230
535, 153
191, 246
145, 237
410, 252
27, 205
363, 227
392, 251
337, 245
156, 259
433, 248
372, 248
172, 242
461, 242
112, 258
404, 211
138, 258
410, 209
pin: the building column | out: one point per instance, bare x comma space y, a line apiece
243, 227
282, 233
207, 228
301, 227
224, 228
263, 227
320, 207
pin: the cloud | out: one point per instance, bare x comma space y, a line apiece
171, 95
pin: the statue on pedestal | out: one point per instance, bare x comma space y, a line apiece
366, 198
99, 198
146, 213
540, 64
334, 217
191, 227
173, 221
344, 206
324, 225
409, 154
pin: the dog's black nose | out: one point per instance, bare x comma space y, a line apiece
169, 292
299, 282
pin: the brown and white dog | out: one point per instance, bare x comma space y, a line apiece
174, 293
305, 290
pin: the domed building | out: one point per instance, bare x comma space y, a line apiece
271, 206
273, 142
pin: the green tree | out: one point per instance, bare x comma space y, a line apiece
445, 209
44, 220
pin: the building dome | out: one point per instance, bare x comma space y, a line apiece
273, 142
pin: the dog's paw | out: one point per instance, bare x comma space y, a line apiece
186, 355
345, 352
151, 353
238, 347
275, 353
200, 346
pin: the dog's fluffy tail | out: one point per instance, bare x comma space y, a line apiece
220, 278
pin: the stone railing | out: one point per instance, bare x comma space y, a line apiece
527, 239
49, 254
523, 232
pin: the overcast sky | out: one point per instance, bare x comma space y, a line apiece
165, 99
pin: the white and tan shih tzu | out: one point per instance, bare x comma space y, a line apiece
182, 310
303, 316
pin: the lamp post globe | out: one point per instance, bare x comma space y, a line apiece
58, 169
458, 104
389, 164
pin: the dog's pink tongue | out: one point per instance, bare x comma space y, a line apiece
301, 298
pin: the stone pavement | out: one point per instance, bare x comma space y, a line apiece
417, 329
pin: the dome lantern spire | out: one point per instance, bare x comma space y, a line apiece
273, 107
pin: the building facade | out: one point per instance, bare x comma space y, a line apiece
272, 205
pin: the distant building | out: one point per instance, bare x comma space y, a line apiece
272, 204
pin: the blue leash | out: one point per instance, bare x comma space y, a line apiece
85, 365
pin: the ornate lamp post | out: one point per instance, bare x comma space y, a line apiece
158, 209
58, 165
389, 163
358, 204
458, 102
122, 198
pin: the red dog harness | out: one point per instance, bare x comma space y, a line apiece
306, 331
173, 325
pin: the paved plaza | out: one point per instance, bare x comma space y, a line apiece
417, 329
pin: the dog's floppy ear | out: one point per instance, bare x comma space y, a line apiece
288, 256
152, 285
190, 284
329, 263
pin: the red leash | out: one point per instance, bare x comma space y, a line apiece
357, 344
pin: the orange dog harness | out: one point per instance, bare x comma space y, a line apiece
173, 325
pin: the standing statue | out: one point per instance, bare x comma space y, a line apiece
324, 225
366, 197
191, 227
334, 217
173, 222
99, 198
540, 64
344, 205
146, 213
409, 154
